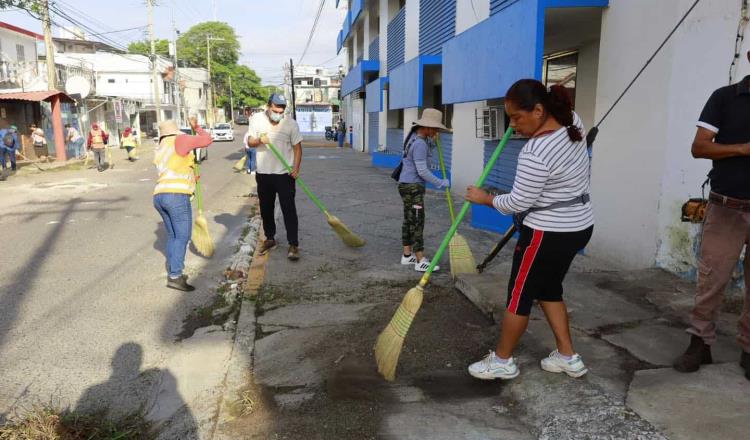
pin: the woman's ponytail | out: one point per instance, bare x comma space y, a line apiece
560, 107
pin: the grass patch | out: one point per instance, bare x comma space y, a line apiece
204, 316
46, 423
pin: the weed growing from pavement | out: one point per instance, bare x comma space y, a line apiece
49, 423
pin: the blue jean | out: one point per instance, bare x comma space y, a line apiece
177, 213
341, 140
10, 152
250, 158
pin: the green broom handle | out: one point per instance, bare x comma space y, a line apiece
304, 187
445, 176
465, 208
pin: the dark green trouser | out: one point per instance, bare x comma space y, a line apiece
412, 231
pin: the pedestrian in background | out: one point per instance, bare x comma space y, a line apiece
411, 186
129, 142
251, 163
175, 163
272, 176
39, 141
97, 142
341, 133
723, 135
8, 146
553, 213
75, 141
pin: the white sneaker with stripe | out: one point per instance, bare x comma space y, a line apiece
491, 367
411, 259
424, 264
556, 363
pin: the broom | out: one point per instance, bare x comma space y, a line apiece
240, 165
200, 236
348, 237
391, 340
462, 260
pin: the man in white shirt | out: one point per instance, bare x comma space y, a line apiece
272, 176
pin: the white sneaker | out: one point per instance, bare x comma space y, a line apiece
411, 259
555, 363
424, 264
491, 368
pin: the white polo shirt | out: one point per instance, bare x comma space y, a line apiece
284, 136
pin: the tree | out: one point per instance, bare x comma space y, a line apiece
246, 87
144, 47
191, 46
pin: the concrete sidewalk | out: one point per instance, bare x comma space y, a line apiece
303, 364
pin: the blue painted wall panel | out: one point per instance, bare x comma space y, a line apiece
374, 49
356, 10
394, 141
504, 171
484, 61
373, 132
374, 100
396, 40
437, 24
355, 79
446, 143
405, 90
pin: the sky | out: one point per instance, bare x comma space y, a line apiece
270, 31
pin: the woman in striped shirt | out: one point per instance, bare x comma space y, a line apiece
550, 202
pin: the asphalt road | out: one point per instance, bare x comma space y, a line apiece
83, 301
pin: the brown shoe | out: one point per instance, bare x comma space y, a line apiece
293, 254
266, 246
698, 353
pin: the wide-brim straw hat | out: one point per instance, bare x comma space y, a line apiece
432, 118
168, 128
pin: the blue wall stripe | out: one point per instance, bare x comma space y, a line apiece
504, 171
396, 40
373, 132
437, 24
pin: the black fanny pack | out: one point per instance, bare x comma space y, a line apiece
519, 217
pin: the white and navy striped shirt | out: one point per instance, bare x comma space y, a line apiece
551, 169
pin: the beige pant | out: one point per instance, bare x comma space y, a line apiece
725, 232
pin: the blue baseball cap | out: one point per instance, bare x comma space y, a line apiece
277, 99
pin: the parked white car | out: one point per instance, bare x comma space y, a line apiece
222, 132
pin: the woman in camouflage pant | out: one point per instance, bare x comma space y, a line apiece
411, 186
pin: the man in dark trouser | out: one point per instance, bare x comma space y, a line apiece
723, 136
271, 175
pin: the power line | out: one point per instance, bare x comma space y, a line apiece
312, 31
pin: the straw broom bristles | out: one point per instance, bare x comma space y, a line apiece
347, 236
391, 340
240, 165
461, 258
201, 237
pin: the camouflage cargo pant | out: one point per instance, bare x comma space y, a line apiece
412, 231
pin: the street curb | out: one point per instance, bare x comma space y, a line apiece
239, 369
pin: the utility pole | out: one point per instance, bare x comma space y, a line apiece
47, 25
231, 100
211, 92
178, 98
294, 96
154, 76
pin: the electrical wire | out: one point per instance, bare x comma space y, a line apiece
312, 31
741, 27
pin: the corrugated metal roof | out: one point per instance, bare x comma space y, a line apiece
34, 96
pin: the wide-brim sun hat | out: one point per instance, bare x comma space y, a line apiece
432, 118
168, 128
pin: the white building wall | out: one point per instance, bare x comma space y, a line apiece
642, 166
8, 42
468, 151
586, 82
411, 48
465, 13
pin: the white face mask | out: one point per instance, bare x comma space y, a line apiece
275, 117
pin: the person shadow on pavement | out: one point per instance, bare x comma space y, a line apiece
149, 395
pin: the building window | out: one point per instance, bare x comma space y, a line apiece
20, 53
200, 93
561, 69
111, 81
437, 99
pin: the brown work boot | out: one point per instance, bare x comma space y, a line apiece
745, 363
267, 245
293, 254
698, 353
